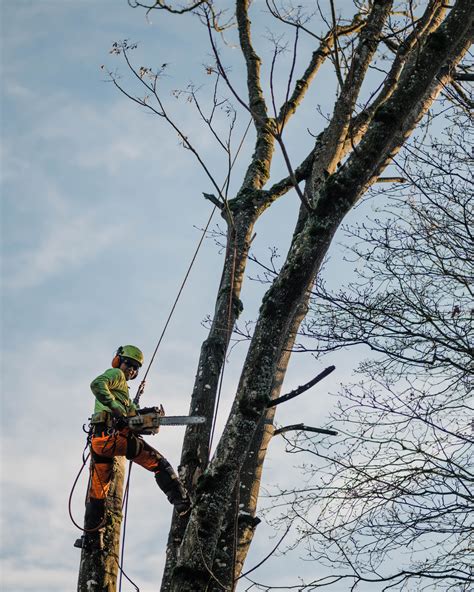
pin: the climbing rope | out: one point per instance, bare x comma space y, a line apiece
125, 514
141, 387
126, 576
85, 458
227, 338
71, 493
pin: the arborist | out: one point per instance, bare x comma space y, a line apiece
112, 437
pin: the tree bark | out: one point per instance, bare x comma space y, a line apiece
99, 568
195, 451
392, 124
250, 475
207, 551
241, 520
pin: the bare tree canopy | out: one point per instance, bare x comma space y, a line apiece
385, 63
390, 501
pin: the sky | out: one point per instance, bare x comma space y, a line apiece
101, 212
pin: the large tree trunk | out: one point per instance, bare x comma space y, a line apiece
393, 122
99, 568
207, 551
241, 520
195, 451
215, 489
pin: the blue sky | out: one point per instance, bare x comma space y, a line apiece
101, 210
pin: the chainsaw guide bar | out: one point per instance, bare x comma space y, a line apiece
150, 423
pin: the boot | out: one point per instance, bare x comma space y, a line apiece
92, 541
94, 517
172, 487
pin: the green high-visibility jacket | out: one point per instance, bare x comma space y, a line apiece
111, 392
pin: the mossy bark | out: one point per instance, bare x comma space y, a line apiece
198, 556
99, 568
392, 124
195, 452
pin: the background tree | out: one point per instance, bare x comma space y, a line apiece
390, 500
388, 73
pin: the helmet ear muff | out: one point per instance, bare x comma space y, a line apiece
117, 359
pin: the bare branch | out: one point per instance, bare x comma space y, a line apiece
428, 23
391, 180
464, 77
161, 5
301, 427
257, 105
301, 173
301, 389
336, 51
152, 87
317, 59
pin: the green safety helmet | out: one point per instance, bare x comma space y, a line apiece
131, 352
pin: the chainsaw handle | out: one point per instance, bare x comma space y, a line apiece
159, 410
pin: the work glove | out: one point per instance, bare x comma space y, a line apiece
119, 420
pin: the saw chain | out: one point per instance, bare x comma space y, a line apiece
149, 422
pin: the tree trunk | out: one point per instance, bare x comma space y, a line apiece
242, 521
392, 124
215, 489
98, 568
195, 452
207, 551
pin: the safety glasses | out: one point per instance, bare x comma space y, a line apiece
132, 364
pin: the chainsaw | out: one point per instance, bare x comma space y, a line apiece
149, 420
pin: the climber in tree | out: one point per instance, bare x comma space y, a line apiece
111, 437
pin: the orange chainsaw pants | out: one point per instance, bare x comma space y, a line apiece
105, 447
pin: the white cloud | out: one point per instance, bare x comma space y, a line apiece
106, 136
14, 89
96, 137
70, 241
41, 447
46, 579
